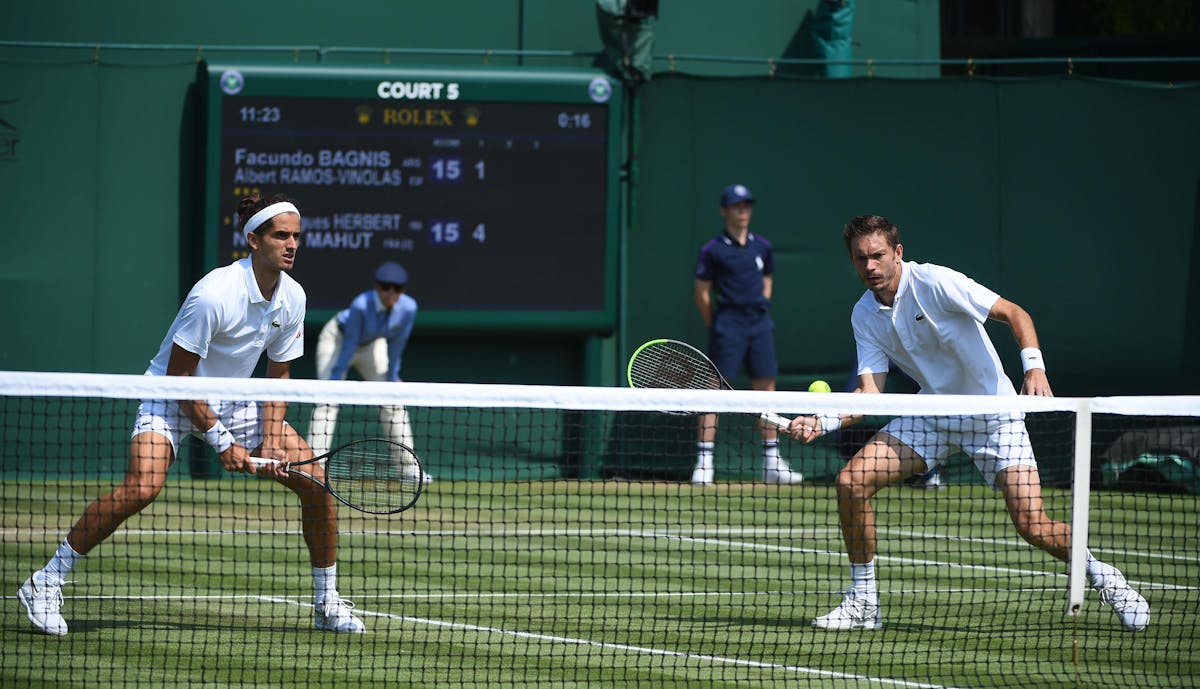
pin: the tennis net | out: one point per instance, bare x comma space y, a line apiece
561, 543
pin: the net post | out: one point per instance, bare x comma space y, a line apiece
1081, 480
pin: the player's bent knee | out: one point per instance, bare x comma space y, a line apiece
850, 484
305, 489
1035, 532
133, 497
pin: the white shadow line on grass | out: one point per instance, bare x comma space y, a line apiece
645, 650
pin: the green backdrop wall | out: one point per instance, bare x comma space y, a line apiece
1075, 198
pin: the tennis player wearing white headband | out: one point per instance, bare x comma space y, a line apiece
228, 320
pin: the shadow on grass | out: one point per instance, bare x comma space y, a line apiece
84, 627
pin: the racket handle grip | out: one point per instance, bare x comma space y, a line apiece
775, 419
260, 462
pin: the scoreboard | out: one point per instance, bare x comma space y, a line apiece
495, 189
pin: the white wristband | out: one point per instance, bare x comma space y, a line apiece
218, 437
1031, 357
830, 422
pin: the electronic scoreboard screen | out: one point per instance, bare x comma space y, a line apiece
495, 189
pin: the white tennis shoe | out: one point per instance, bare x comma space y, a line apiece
782, 475
334, 615
1129, 606
702, 476
43, 604
855, 612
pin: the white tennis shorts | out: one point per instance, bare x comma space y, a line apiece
164, 417
993, 441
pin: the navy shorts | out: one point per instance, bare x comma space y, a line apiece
736, 341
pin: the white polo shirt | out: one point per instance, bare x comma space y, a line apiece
229, 323
934, 332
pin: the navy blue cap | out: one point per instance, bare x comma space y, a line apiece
736, 193
391, 272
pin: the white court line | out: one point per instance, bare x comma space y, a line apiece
609, 646
530, 595
653, 534
465, 533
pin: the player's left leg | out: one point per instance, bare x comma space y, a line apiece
1007, 462
319, 524
1022, 489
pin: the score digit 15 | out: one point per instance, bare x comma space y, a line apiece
451, 169
450, 231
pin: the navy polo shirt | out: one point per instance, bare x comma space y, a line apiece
737, 271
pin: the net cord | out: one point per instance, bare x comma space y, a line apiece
470, 395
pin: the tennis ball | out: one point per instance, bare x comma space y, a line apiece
819, 386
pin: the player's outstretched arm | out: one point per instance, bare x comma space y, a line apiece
808, 428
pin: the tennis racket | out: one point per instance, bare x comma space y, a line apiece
677, 365
375, 476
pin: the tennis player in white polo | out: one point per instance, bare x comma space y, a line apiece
229, 318
929, 320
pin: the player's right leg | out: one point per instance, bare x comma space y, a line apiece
882, 461
150, 456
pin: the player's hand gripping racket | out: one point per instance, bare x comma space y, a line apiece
677, 365
375, 476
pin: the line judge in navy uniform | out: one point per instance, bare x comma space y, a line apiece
733, 294
369, 335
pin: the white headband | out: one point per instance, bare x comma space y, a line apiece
267, 213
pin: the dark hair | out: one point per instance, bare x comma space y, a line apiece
250, 205
864, 225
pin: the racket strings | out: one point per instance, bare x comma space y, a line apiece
375, 475
666, 365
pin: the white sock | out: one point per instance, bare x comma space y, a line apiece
770, 454
862, 580
324, 581
704, 455
59, 566
1102, 573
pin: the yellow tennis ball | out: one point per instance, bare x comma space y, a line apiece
819, 386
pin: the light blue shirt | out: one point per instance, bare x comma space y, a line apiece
366, 321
